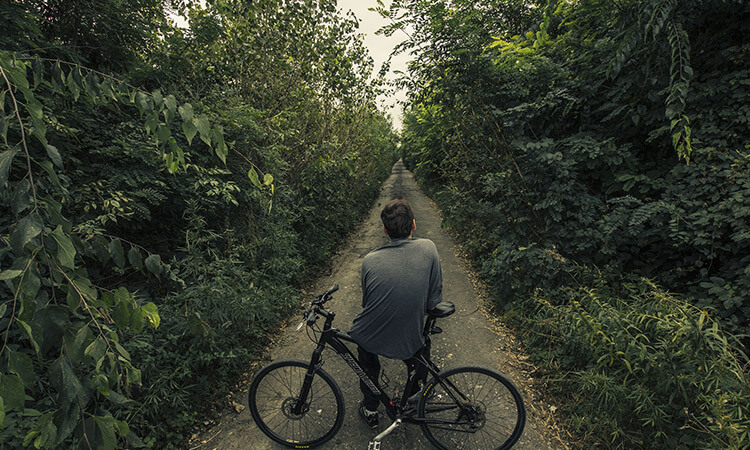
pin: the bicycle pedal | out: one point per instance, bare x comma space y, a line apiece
373, 446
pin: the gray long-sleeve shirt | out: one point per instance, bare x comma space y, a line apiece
400, 282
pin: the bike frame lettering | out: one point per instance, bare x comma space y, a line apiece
360, 373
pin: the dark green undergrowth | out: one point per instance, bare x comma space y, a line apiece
594, 160
633, 366
628, 364
165, 193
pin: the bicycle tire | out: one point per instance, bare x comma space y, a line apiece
493, 419
274, 392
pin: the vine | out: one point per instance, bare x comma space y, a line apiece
66, 353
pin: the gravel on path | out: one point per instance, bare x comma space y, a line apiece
470, 337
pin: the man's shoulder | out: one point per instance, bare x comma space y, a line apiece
410, 244
424, 245
424, 242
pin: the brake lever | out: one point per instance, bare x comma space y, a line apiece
304, 320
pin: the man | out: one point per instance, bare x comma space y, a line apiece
400, 282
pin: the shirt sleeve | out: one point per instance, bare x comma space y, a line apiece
435, 295
364, 283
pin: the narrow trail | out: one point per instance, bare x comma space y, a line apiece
469, 338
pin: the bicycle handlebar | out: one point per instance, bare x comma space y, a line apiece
310, 316
325, 296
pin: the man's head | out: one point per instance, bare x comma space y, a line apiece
398, 219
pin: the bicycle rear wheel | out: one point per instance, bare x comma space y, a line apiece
472, 408
274, 393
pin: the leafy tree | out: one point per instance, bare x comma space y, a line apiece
612, 136
151, 178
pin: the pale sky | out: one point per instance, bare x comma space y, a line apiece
380, 48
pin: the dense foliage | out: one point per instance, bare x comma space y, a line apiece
163, 192
580, 148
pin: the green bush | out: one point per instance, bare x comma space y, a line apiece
555, 132
164, 193
637, 367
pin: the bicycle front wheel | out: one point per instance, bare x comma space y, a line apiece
282, 415
472, 408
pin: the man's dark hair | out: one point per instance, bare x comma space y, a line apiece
397, 217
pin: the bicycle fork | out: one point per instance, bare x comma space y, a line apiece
300, 406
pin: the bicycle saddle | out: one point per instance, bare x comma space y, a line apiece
442, 309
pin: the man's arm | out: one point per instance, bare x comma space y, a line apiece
435, 295
363, 276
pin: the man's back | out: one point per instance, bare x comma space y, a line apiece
400, 281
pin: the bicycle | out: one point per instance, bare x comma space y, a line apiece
299, 405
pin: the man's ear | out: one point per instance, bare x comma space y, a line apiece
385, 231
413, 224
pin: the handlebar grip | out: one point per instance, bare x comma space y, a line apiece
330, 291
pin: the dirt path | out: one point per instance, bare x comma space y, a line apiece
469, 337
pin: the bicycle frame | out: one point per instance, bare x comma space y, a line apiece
334, 338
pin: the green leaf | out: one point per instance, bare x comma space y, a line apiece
18, 77
27, 229
6, 158
267, 179
66, 253
106, 427
4, 125
36, 65
253, 175
54, 155
141, 101
66, 383
11, 391
22, 365
39, 131
117, 253
136, 320
86, 289
66, 419
171, 103
47, 166
151, 123
204, 128
121, 315
54, 214
96, 349
152, 314
73, 87
154, 265
188, 127
186, 112
44, 432
219, 146
163, 133
2, 411
10, 274
28, 291
32, 338
122, 427
134, 258
20, 199
158, 99
133, 375
101, 383
93, 88
34, 108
